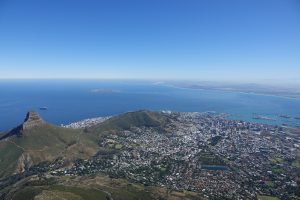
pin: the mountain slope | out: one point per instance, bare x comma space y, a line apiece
142, 118
35, 146
28, 145
35, 141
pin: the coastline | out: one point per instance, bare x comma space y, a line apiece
85, 123
264, 120
162, 96
234, 91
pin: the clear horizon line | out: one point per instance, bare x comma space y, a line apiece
161, 79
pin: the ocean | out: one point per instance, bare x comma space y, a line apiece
73, 100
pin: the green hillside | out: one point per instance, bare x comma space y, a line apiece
21, 149
132, 119
43, 143
36, 144
95, 187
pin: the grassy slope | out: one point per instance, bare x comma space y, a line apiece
48, 142
45, 143
9, 155
97, 186
52, 140
131, 119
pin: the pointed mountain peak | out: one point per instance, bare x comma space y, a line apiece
32, 120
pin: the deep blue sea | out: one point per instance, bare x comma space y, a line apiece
73, 100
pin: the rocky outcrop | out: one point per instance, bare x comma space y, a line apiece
32, 120
23, 163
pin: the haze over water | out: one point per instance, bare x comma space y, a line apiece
69, 101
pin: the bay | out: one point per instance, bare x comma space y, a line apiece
73, 100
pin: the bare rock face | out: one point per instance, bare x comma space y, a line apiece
24, 162
32, 120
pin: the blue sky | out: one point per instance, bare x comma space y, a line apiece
241, 40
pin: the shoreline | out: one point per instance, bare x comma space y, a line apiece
233, 91
85, 123
88, 122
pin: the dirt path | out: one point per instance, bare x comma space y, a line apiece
23, 149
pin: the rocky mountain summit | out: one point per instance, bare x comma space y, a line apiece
35, 141
32, 120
